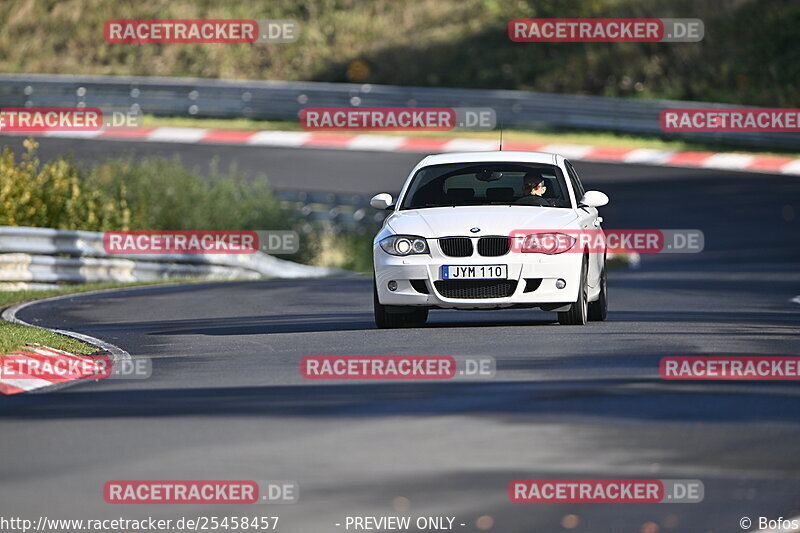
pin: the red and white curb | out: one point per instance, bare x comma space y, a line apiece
386, 143
31, 383
38, 367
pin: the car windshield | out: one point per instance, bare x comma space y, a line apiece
469, 184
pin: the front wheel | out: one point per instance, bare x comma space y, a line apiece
577, 314
598, 311
386, 320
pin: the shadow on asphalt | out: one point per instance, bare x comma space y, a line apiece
588, 399
310, 323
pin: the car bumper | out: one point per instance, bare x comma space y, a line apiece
521, 267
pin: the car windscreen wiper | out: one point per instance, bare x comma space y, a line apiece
431, 205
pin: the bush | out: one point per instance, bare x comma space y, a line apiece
52, 195
342, 250
123, 194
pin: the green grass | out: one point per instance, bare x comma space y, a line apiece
611, 139
15, 337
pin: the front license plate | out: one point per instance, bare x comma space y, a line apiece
475, 272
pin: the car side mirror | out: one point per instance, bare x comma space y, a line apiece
593, 199
383, 200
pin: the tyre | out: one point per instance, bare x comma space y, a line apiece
386, 320
577, 314
598, 311
418, 317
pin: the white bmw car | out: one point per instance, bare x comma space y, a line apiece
489, 230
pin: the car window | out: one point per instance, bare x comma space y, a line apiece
462, 184
577, 186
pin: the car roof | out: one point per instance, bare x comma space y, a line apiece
498, 156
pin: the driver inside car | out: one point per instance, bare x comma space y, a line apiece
533, 185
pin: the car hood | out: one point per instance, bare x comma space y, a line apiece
492, 220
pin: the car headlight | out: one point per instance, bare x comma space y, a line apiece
546, 243
404, 245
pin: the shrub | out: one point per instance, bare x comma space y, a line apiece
123, 194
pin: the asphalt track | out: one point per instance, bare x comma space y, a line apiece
226, 400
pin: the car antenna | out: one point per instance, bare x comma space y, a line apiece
501, 135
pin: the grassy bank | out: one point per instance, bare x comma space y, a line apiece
748, 56
15, 337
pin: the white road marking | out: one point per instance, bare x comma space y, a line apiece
177, 135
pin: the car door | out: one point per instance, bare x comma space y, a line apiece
590, 221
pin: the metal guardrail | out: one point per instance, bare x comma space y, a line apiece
43, 255
278, 100
345, 211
